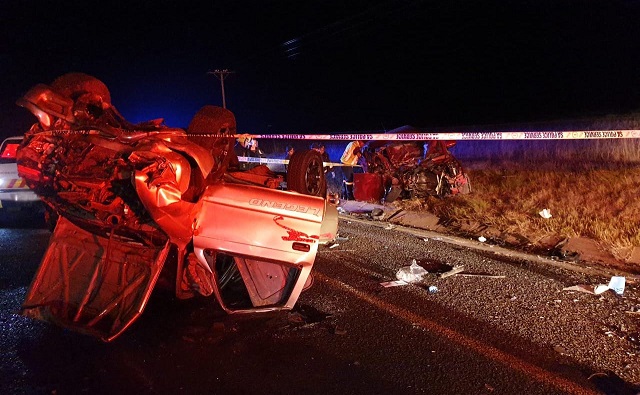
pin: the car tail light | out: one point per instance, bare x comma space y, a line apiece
9, 151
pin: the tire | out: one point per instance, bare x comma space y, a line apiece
306, 175
90, 95
217, 120
73, 85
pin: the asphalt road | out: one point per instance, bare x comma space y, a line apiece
348, 334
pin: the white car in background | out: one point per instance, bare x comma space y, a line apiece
14, 192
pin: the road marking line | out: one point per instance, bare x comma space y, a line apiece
488, 351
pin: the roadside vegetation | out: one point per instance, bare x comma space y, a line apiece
589, 186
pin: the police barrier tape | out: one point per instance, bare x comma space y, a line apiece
571, 135
251, 159
543, 135
567, 135
13, 183
546, 135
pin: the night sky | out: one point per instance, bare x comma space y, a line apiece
330, 66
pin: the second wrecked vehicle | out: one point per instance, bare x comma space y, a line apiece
408, 170
141, 205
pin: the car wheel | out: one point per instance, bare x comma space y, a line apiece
306, 175
211, 119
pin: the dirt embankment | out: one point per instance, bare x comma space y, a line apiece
579, 250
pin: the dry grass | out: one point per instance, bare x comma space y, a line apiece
591, 189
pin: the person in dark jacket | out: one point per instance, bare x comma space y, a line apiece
328, 169
289, 151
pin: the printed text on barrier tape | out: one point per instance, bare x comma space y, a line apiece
567, 135
250, 159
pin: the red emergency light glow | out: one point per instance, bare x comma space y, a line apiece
9, 151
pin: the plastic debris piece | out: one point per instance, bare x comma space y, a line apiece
394, 283
455, 270
434, 266
338, 330
487, 275
377, 214
617, 284
633, 311
411, 274
600, 288
545, 213
560, 350
433, 289
590, 289
390, 226
580, 288
334, 245
482, 239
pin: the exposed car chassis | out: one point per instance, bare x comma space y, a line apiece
408, 172
142, 205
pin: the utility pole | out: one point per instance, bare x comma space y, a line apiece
221, 75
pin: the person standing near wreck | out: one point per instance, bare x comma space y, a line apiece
349, 159
320, 148
289, 151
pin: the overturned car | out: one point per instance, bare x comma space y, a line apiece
143, 205
408, 170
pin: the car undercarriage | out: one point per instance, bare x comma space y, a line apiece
136, 203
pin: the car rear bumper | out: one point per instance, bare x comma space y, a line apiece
24, 195
18, 198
